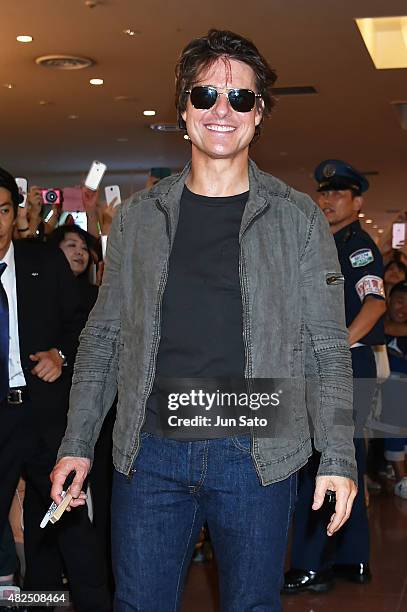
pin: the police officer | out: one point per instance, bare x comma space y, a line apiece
317, 560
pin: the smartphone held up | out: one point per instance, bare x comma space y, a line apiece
398, 238
112, 195
95, 175
22, 185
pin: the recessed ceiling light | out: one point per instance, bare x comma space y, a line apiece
361, 215
8, 85
131, 32
186, 137
149, 113
96, 81
368, 221
380, 231
24, 38
122, 139
375, 226
44, 103
386, 40
73, 117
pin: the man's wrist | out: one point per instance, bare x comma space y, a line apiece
60, 355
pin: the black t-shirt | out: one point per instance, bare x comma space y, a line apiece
201, 321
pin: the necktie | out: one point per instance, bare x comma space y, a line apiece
4, 338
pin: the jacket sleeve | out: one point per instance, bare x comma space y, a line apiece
328, 366
94, 384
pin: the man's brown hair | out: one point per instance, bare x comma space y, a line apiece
201, 53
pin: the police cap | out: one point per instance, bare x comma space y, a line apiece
334, 174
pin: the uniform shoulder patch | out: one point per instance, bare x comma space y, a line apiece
361, 258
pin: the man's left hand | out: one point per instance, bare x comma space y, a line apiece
345, 490
49, 365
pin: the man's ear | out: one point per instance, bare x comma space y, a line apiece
357, 203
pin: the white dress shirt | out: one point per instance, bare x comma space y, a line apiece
8, 280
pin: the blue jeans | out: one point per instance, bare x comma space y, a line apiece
158, 513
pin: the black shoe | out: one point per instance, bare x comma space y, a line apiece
297, 580
353, 572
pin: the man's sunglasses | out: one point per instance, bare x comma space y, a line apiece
203, 97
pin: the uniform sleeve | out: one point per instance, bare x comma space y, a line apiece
366, 265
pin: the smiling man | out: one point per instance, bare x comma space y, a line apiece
200, 270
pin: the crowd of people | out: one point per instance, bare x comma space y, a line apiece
50, 274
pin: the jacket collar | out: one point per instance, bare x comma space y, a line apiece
169, 192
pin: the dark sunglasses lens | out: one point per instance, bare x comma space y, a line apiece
242, 100
203, 97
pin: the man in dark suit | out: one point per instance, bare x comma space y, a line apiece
40, 322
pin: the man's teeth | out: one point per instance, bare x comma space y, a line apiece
220, 128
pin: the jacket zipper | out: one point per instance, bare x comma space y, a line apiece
246, 327
157, 334
244, 292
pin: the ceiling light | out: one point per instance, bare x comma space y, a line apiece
24, 38
361, 215
149, 113
374, 226
131, 32
380, 231
73, 117
386, 40
186, 137
8, 85
368, 221
44, 103
96, 81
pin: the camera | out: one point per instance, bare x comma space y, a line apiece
51, 196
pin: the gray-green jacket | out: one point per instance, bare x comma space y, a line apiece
293, 327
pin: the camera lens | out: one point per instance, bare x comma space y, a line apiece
51, 196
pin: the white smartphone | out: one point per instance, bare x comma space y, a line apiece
22, 187
95, 175
112, 192
398, 235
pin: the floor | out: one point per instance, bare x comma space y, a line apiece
386, 593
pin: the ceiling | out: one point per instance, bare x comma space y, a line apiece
313, 42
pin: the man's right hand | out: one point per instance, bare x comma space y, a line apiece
81, 467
